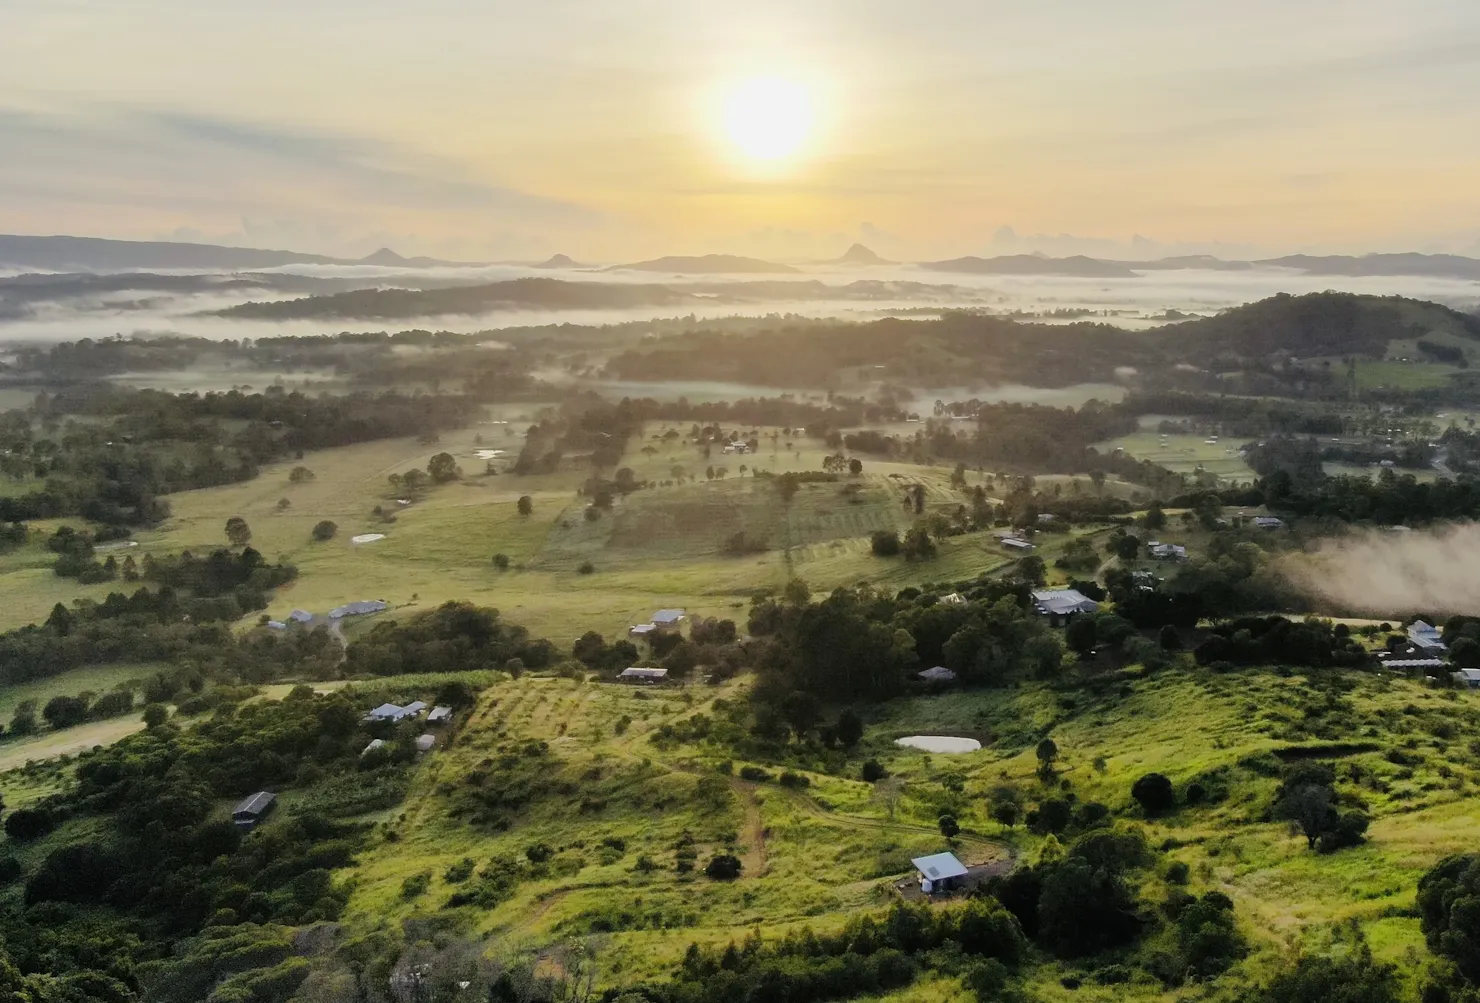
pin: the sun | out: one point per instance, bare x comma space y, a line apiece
768, 118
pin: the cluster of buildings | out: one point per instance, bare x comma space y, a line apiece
303, 617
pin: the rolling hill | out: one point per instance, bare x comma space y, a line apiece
707, 264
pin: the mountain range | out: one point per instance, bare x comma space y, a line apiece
93, 254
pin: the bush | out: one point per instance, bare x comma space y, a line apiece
949, 827
885, 543
415, 886
873, 772
27, 824
723, 867
754, 774
501, 561
795, 781
1153, 792
586, 569
156, 714
325, 531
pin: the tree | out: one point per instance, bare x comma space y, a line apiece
325, 531
238, 532
443, 468
949, 827
1156, 519
849, 729
1005, 811
885, 543
873, 772
1170, 638
855, 466
300, 474
1047, 752
501, 561
23, 722
1081, 635
723, 867
25, 825
155, 714
526, 505
284, 504
1316, 979
1126, 547
1031, 569
1154, 793
1449, 911
65, 712
917, 545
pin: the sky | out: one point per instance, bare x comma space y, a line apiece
478, 129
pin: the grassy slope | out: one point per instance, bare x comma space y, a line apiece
811, 857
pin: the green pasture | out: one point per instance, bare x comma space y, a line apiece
1185, 454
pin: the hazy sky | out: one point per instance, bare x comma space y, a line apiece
487, 127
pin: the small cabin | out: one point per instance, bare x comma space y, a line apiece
249, 813
645, 676
440, 715
940, 873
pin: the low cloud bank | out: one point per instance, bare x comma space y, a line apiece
1389, 574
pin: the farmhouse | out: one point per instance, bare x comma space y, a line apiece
253, 810
440, 715
1417, 666
667, 617
300, 616
1014, 543
1468, 678
359, 608
639, 674
940, 873
1167, 551
395, 712
1425, 637
1063, 602
937, 674
1268, 522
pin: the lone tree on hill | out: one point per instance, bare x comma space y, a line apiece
724, 867
325, 531
1047, 752
238, 532
949, 827
526, 505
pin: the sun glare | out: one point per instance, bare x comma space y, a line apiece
768, 118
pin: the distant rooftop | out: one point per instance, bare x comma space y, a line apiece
940, 866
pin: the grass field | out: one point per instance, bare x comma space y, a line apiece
662, 546
1185, 454
813, 856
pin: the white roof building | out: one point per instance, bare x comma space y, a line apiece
1063, 602
953, 599
1468, 677
1426, 636
439, 715
359, 608
640, 674
1168, 551
937, 674
276, 625
300, 616
667, 617
375, 743
395, 712
939, 872
642, 629
1014, 543
1268, 522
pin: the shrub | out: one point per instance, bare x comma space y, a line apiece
873, 772
754, 774
723, 867
324, 531
501, 561
1153, 792
459, 872
586, 568
415, 886
885, 543
796, 781
27, 824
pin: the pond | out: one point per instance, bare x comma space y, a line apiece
939, 743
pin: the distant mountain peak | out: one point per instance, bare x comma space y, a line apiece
384, 256
559, 261
860, 255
